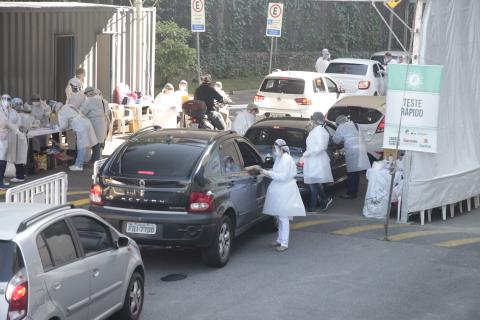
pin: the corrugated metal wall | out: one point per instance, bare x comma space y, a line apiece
27, 53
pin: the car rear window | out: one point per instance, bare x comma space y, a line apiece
266, 137
283, 85
11, 260
347, 68
358, 115
166, 160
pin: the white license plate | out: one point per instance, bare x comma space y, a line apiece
194, 125
142, 228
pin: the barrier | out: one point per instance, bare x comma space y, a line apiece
51, 190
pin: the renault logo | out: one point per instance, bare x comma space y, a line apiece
141, 183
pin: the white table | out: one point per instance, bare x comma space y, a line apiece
36, 132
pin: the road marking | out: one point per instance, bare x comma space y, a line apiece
416, 234
76, 193
305, 224
457, 243
81, 202
358, 229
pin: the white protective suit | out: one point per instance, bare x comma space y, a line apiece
283, 197
75, 82
316, 168
76, 100
97, 112
24, 123
70, 118
356, 156
8, 133
41, 112
243, 121
321, 65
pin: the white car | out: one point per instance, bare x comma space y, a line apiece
297, 93
369, 114
358, 76
379, 56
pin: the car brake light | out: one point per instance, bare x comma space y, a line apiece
96, 192
259, 98
146, 172
381, 126
193, 120
364, 85
201, 202
17, 296
303, 101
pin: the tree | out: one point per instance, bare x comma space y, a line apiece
174, 58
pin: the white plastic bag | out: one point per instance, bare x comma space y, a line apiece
376, 199
10, 171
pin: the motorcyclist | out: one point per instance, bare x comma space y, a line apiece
209, 95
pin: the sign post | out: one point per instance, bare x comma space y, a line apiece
411, 119
198, 25
274, 25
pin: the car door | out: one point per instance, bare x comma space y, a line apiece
336, 153
66, 276
107, 265
379, 79
320, 97
250, 157
333, 92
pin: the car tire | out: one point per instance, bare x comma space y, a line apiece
133, 303
218, 253
270, 225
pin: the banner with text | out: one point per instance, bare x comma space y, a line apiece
412, 103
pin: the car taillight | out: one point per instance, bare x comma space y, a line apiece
193, 120
303, 101
201, 202
259, 98
364, 85
17, 296
381, 126
96, 193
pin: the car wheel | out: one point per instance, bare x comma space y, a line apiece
133, 303
218, 253
270, 225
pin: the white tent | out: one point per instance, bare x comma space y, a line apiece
450, 37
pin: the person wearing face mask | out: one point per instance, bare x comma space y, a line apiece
283, 199
356, 156
75, 85
97, 112
69, 117
8, 132
323, 62
182, 92
24, 123
316, 167
244, 119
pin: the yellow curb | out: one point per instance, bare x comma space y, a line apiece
305, 224
457, 243
81, 202
358, 229
416, 234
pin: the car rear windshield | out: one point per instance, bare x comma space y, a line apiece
283, 85
347, 68
358, 115
11, 260
294, 138
162, 160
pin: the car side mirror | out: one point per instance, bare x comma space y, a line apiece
341, 89
122, 242
268, 163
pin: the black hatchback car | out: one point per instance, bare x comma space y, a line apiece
295, 132
182, 187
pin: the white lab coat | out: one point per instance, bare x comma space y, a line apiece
316, 168
96, 111
8, 132
68, 89
356, 155
321, 65
24, 124
41, 112
283, 197
71, 118
243, 120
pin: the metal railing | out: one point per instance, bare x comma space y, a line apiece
51, 190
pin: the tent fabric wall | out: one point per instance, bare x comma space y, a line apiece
451, 37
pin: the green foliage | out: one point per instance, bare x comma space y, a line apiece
174, 57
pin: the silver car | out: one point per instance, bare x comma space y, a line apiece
66, 263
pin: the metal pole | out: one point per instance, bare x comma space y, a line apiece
198, 57
390, 23
138, 72
271, 55
390, 29
406, 29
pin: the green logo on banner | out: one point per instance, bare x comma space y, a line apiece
417, 78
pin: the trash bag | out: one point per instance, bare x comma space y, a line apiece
10, 170
376, 198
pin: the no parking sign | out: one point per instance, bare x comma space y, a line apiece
274, 19
198, 15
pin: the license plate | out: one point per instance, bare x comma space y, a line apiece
194, 125
141, 228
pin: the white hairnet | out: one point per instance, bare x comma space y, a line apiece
282, 145
318, 118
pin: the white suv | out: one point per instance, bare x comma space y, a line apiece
297, 93
66, 263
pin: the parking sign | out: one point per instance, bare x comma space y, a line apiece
198, 15
274, 19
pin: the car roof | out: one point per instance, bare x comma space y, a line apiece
296, 74
198, 136
283, 122
373, 102
394, 53
352, 60
13, 214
